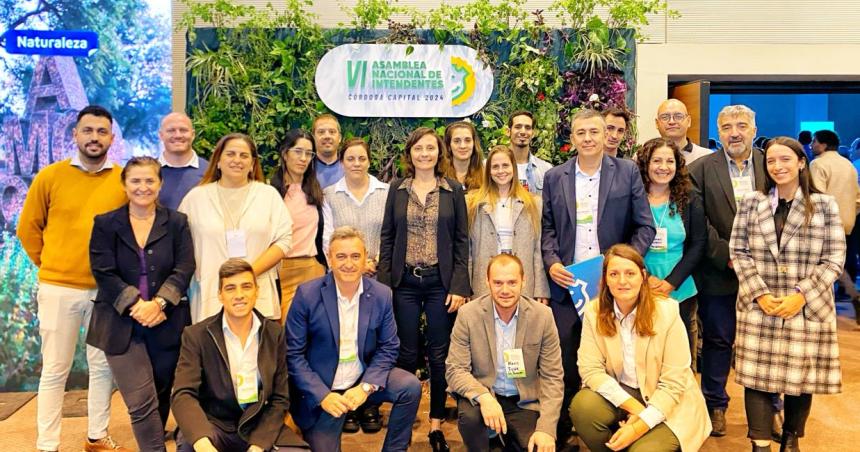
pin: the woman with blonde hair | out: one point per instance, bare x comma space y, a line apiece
505, 218
465, 156
640, 392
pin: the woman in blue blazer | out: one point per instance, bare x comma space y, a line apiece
142, 258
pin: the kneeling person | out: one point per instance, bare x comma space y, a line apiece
231, 388
511, 381
341, 348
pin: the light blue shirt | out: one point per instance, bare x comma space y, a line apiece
506, 336
587, 189
747, 170
535, 171
661, 263
328, 174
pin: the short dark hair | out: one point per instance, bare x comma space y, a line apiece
804, 137
828, 138
505, 259
520, 113
95, 110
354, 141
232, 267
143, 160
617, 112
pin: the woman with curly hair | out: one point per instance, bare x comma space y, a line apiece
681, 230
464, 154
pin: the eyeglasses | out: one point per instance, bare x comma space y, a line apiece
299, 152
678, 117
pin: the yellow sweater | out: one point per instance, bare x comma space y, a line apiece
57, 220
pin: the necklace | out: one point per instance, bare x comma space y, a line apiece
142, 217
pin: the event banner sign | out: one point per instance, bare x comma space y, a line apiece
399, 80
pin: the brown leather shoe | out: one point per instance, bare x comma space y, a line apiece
103, 445
718, 421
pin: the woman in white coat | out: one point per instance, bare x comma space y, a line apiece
234, 213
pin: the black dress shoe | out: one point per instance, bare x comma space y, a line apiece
718, 421
789, 443
856, 303
757, 448
369, 419
351, 423
437, 441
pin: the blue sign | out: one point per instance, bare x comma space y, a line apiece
52, 42
586, 282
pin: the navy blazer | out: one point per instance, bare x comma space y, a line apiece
313, 335
623, 213
452, 239
695, 241
169, 255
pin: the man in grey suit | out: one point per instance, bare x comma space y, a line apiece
504, 365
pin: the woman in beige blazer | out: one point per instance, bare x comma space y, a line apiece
505, 218
640, 392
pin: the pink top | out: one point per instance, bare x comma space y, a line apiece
305, 219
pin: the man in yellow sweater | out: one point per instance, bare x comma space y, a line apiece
54, 228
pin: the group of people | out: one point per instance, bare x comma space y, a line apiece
232, 301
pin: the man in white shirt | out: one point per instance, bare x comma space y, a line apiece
341, 348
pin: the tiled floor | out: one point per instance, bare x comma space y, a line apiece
832, 426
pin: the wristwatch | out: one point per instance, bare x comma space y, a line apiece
368, 388
162, 303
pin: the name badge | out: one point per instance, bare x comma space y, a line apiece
347, 351
660, 243
236, 243
584, 214
741, 186
246, 387
515, 366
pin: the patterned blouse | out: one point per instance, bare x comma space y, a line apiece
421, 224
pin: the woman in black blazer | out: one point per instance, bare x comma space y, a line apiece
424, 258
142, 258
681, 229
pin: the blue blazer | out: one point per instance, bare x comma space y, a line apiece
313, 335
169, 254
623, 213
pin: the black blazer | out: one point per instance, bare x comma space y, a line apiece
710, 175
694, 243
452, 239
203, 391
278, 182
116, 267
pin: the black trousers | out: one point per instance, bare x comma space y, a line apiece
521, 424
569, 333
687, 310
760, 411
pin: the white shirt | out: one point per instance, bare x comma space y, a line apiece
76, 161
504, 222
611, 390
588, 190
242, 359
349, 368
194, 162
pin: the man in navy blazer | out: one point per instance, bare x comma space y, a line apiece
341, 348
590, 203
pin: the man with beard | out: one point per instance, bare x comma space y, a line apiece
723, 178
54, 228
181, 168
530, 169
326, 132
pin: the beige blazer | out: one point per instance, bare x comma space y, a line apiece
835, 175
662, 370
471, 363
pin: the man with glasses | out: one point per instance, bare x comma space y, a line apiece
326, 132
181, 167
672, 123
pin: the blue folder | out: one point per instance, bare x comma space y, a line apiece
586, 281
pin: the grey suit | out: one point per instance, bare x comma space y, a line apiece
471, 363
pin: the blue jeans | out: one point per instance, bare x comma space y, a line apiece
403, 390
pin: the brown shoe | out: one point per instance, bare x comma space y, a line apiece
102, 445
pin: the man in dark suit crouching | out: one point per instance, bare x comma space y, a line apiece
231, 391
